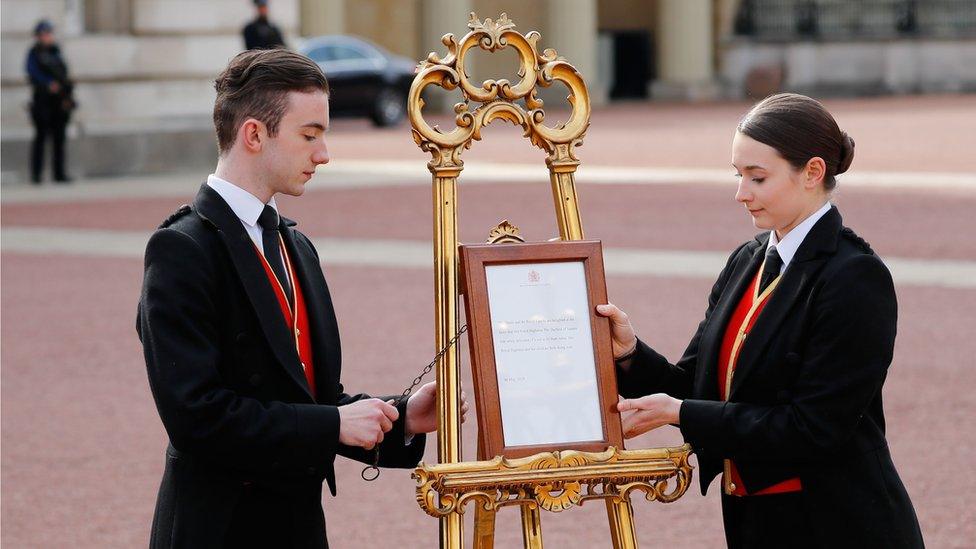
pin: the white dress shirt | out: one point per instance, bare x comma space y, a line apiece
791, 242
247, 207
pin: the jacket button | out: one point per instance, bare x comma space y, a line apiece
310, 471
793, 358
276, 465
241, 337
255, 380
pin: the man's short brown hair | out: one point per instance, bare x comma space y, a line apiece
255, 84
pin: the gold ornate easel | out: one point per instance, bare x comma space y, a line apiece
553, 481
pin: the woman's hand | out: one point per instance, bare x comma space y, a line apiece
621, 331
649, 413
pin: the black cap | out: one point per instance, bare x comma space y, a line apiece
43, 26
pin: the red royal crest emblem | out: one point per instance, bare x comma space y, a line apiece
534, 276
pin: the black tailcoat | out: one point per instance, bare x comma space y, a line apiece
806, 394
249, 445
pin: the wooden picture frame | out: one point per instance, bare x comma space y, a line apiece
544, 373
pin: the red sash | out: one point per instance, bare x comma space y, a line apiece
735, 334
296, 319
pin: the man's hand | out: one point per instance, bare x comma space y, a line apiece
624, 341
363, 422
649, 412
422, 410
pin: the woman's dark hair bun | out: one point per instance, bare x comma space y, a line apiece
846, 153
800, 128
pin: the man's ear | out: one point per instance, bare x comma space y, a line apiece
814, 172
253, 134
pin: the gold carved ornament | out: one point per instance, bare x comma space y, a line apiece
504, 233
498, 98
555, 481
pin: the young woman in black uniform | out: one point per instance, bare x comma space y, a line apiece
779, 390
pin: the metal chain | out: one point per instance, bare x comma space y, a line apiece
372, 472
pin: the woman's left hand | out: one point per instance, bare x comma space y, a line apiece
649, 413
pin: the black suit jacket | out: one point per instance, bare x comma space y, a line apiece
249, 445
806, 395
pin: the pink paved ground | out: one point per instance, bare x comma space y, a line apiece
82, 444
899, 223
921, 134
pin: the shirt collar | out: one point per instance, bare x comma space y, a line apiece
247, 206
791, 242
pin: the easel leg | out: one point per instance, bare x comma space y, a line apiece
451, 537
484, 528
484, 520
622, 531
531, 527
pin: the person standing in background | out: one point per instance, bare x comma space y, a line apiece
260, 33
51, 103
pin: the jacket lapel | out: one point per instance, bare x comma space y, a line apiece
819, 243
212, 208
711, 342
321, 316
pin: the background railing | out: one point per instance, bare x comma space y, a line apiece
841, 20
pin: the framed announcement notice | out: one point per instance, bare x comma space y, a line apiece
543, 367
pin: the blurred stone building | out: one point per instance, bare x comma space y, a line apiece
144, 68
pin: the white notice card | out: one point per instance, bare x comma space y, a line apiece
540, 326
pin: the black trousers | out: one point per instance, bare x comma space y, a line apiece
771, 521
50, 122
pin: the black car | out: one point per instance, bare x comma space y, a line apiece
365, 79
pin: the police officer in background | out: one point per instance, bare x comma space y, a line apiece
52, 100
261, 33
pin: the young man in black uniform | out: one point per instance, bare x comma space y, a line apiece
241, 339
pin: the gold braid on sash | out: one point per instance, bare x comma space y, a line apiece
757, 300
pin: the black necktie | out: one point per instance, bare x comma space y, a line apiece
272, 247
772, 267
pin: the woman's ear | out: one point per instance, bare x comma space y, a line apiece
814, 172
252, 135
